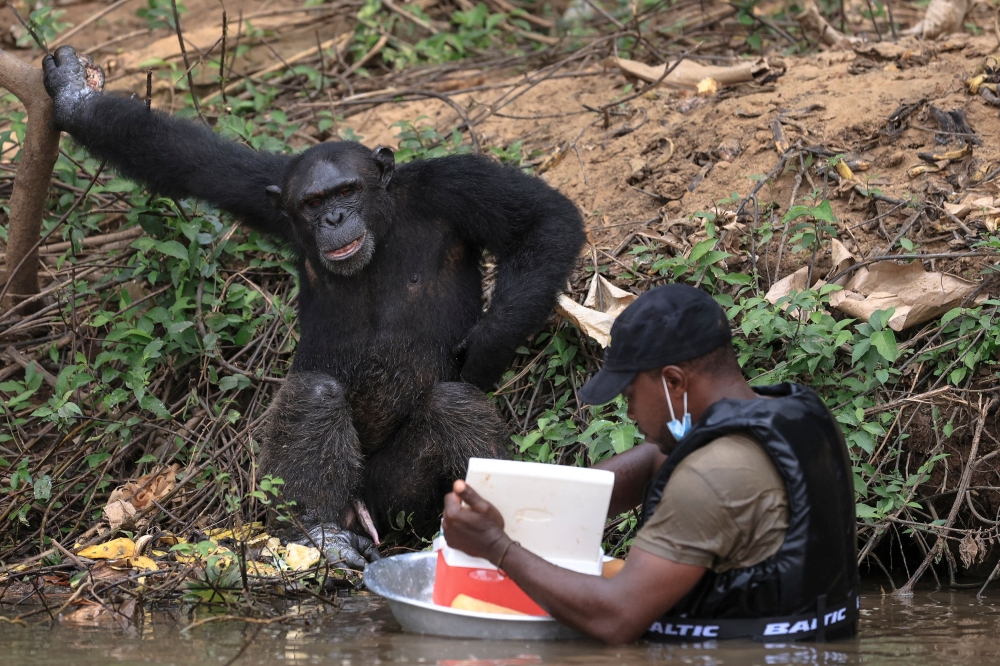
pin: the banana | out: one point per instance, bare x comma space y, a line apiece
844, 170
950, 156
980, 173
781, 143
915, 171
974, 82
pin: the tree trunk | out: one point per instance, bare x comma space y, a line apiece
31, 185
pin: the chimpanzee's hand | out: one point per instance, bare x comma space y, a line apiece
70, 79
482, 365
343, 546
476, 529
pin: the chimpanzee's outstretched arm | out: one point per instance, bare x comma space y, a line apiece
534, 232
172, 157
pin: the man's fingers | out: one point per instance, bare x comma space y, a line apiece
452, 504
472, 498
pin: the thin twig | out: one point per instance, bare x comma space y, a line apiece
187, 62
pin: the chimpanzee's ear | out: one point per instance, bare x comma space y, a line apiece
274, 194
386, 163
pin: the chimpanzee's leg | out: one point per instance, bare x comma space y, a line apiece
415, 470
310, 442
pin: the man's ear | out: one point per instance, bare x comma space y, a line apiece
675, 378
274, 195
386, 163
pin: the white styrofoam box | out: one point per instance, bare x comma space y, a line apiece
555, 511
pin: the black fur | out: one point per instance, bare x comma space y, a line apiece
372, 409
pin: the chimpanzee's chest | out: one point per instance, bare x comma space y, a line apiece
405, 312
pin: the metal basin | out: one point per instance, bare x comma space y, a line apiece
407, 583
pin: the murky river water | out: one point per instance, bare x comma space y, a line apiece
931, 628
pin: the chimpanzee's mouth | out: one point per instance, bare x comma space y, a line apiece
347, 250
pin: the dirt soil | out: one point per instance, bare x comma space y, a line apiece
627, 181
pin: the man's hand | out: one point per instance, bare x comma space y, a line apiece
476, 529
70, 79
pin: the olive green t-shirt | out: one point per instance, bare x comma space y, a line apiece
724, 507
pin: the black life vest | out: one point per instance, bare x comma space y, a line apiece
809, 588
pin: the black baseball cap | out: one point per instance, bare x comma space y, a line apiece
665, 325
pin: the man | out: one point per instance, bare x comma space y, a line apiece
748, 510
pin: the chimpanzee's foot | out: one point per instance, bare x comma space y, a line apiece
343, 546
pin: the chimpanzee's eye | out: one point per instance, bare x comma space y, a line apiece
314, 203
346, 191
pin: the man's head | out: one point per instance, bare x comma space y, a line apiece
673, 340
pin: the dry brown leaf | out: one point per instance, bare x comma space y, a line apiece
916, 295
842, 259
794, 282
89, 614
155, 485
127, 500
943, 17
812, 21
689, 74
602, 306
119, 513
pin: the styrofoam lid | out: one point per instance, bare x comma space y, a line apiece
555, 511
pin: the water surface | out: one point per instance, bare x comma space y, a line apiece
940, 627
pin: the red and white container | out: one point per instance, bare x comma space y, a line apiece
554, 511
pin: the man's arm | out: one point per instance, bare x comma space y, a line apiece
633, 470
172, 157
534, 232
615, 610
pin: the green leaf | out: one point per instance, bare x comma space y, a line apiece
43, 488
95, 459
950, 314
884, 342
824, 212
699, 250
861, 348
172, 248
622, 438
865, 511
528, 440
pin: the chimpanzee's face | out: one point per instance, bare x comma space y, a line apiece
331, 204
333, 196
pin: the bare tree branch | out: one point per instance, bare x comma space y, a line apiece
31, 186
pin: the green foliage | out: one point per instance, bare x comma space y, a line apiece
45, 22
160, 13
424, 142
561, 433
808, 235
472, 31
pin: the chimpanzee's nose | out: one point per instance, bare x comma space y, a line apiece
333, 219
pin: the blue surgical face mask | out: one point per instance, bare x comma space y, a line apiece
677, 428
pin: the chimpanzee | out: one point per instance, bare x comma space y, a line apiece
384, 403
